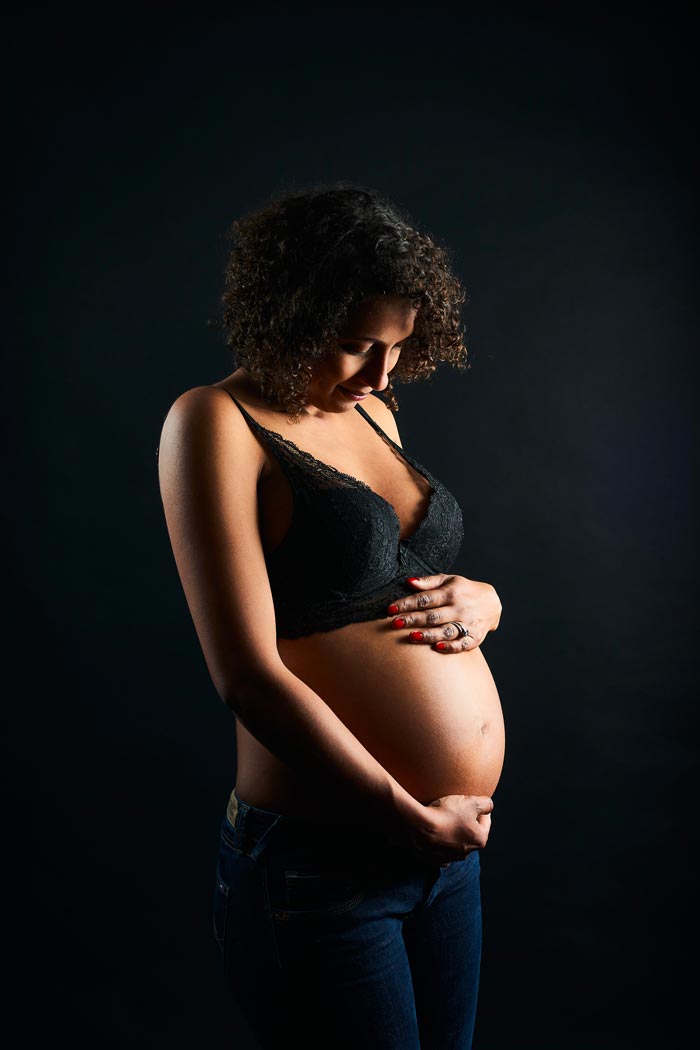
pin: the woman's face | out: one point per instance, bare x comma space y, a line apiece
368, 349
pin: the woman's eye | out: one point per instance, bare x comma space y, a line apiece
353, 350
361, 353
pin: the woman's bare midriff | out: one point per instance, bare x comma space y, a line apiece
433, 720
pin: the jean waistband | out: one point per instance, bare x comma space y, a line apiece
251, 828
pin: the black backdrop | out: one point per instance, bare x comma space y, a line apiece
551, 152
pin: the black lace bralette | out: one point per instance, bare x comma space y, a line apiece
342, 559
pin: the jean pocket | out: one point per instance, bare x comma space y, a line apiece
221, 898
308, 891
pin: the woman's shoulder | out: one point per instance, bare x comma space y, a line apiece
201, 404
201, 420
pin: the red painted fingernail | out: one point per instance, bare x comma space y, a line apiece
416, 636
412, 579
440, 645
393, 609
399, 623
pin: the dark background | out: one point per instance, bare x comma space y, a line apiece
551, 152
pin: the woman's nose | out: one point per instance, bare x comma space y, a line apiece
376, 372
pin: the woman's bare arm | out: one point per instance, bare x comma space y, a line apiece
209, 464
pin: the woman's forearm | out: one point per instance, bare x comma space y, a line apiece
294, 723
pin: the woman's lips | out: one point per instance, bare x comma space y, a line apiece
353, 395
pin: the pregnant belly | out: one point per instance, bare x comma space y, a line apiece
433, 720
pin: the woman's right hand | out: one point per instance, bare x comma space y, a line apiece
455, 825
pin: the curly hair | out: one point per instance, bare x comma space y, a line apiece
298, 266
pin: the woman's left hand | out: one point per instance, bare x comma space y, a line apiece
440, 599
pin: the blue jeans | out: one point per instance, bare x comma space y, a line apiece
342, 941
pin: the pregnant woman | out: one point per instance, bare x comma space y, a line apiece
315, 556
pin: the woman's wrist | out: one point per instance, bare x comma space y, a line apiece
406, 814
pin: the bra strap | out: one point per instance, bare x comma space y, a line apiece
374, 423
246, 414
285, 452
